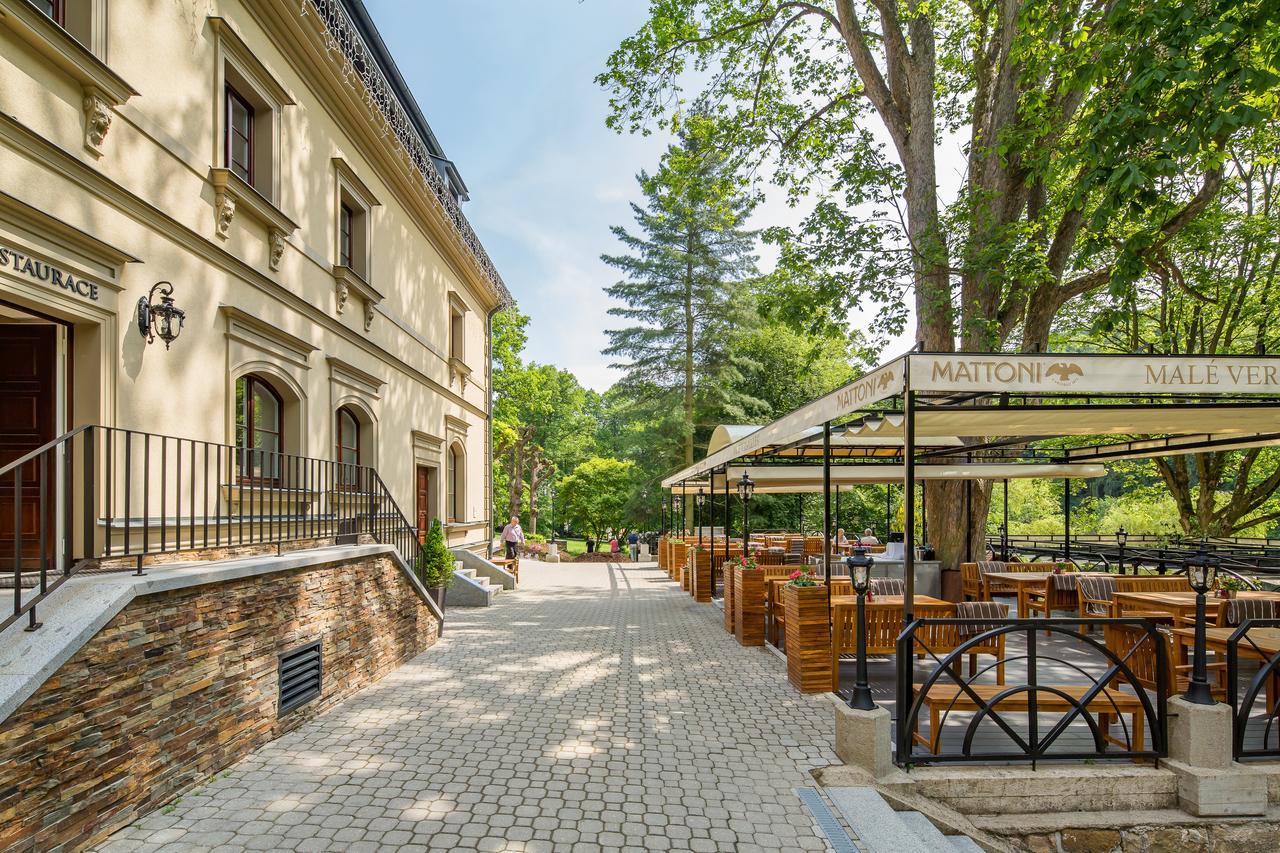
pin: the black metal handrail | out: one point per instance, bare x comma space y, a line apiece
1035, 746
106, 496
1262, 684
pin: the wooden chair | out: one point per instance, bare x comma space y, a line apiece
884, 624
1060, 593
970, 582
1132, 641
1094, 594
941, 639
888, 586
1149, 583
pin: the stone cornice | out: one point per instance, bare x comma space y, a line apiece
308, 41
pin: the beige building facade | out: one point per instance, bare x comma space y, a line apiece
261, 164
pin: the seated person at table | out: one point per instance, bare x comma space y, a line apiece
841, 539
869, 537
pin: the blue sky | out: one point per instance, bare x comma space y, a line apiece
508, 89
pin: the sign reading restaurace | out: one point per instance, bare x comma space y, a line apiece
1094, 373
40, 271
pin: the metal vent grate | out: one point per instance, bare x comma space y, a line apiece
299, 677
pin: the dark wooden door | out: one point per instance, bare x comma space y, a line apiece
423, 502
28, 408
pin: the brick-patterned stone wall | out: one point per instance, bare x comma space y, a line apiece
181, 684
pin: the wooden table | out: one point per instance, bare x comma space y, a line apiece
1023, 583
1259, 643
883, 601
1181, 605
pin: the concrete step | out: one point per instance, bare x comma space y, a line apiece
875, 823
883, 830
925, 830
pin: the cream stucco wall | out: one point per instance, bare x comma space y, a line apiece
141, 208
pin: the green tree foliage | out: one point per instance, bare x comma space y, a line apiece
1213, 290
435, 562
595, 495
1093, 134
684, 290
544, 422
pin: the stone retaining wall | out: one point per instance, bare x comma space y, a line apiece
181, 684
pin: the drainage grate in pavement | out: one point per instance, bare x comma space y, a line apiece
826, 820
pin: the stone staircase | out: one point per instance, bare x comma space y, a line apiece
467, 590
875, 824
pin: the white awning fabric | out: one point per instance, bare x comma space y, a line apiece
1062, 394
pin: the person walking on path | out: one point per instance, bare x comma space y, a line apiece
512, 536
633, 540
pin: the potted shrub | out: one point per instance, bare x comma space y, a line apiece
435, 563
1229, 587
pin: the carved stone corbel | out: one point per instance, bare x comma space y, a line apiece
368, 314
341, 292
277, 248
224, 207
97, 120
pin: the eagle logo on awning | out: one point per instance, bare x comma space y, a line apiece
1064, 372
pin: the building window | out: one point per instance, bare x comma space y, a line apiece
346, 235
457, 335
259, 429
454, 474
347, 431
56, 9
239, 136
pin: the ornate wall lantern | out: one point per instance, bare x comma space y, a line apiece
160, 319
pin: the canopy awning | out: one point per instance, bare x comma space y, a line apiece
1157, 405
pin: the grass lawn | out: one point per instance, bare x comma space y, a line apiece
574, 547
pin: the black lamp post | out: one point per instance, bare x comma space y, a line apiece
1122, 536
699, 501
1202, 569
1004, 542
746, 487
859, 565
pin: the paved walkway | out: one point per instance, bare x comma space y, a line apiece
594, 708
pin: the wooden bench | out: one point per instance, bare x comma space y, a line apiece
951, 697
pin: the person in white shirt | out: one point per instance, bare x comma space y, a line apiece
869, 537
512, 537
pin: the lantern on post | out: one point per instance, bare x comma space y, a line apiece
746, 487
859, 565
1122, 536
1202, 571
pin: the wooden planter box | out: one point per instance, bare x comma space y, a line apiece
676, 558
748, 606
808, 634
727, 572
662, 553
700, 575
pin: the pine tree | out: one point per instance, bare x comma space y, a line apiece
685, 290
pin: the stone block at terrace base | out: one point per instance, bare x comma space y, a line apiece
1237, 790
862, 738
1200, 735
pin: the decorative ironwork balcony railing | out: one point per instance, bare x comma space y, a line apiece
103, 497
363, 71
1256, 728
1084, 686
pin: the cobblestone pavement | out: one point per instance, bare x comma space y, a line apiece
596, 708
